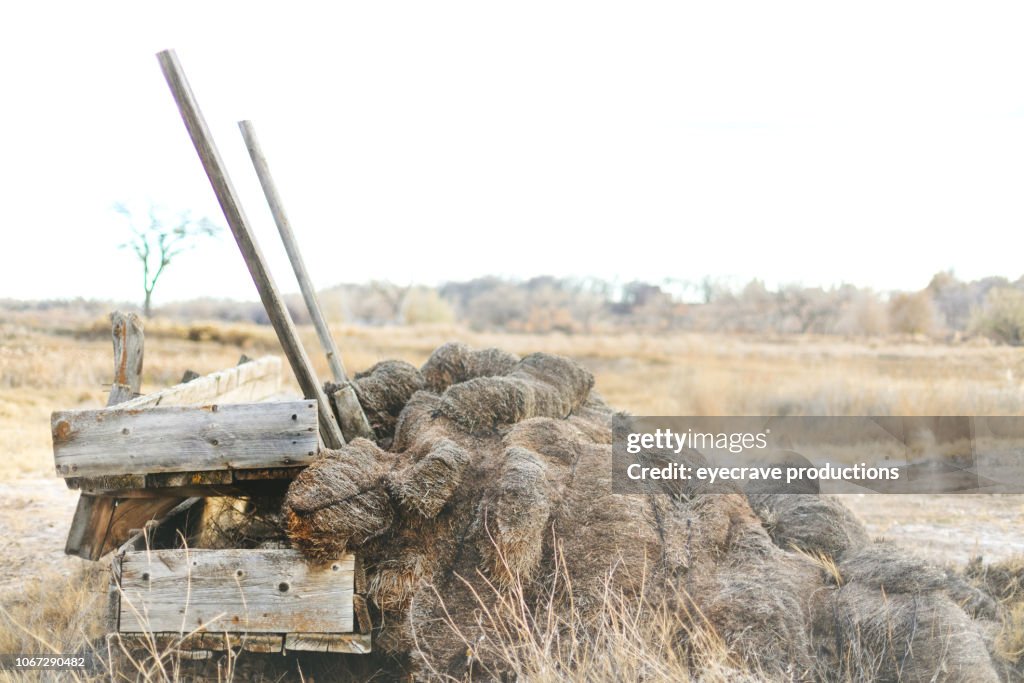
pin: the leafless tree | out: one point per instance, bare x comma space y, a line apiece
157, 241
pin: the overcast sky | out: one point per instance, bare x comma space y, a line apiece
872, 143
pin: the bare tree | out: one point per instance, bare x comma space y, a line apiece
158, 241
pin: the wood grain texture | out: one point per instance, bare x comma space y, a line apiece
184, 438
89, 526
230, 204
341, 643
102, 523
350, 414
129, 342
291, 245
235, 591
247, 383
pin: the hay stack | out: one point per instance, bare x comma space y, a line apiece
497, 490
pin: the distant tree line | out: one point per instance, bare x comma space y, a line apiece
947, 308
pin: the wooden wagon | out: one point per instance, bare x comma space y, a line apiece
146, 467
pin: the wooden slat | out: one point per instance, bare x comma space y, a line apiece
184, 438
246, 383
102, 523
342, 643
231, 205
126, 329
350, 413
234, 591
89, 526
200, 642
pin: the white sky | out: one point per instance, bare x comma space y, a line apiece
872, 143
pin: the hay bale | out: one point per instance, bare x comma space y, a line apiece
339, 502
425, 487
454, 363
512, 518
498, 492
871, 635
809, 523
886, 567
383, 391
540, 385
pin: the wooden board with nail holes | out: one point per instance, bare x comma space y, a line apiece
235, 591
123, 441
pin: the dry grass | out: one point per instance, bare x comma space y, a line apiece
678, 374
685, 374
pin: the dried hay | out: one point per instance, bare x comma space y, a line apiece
454, 363
496, 492
383, 391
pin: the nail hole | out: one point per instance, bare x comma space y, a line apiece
125, 431
283, 586
239, 573
295, 417
145, 576
335, 567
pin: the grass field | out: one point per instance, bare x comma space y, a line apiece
48, 601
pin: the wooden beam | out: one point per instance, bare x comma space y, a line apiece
291, 245
247, 383
342, 643
89, 526
184, 438
102, 523
349, 412
239, 224
235, 591
126, 329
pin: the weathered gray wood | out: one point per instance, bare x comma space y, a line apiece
126, 329
113, 613
202, 643
291, 245
184, 438
101, 523
254, 381
350, 414
239, 224
234, 591
342, 643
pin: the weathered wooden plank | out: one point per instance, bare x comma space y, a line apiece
184, 438
126, 329
102, 523
291, 246
354, 643
350, 413
246, 383
264, 481
231, 205
362, 613
234, 591
89, 526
